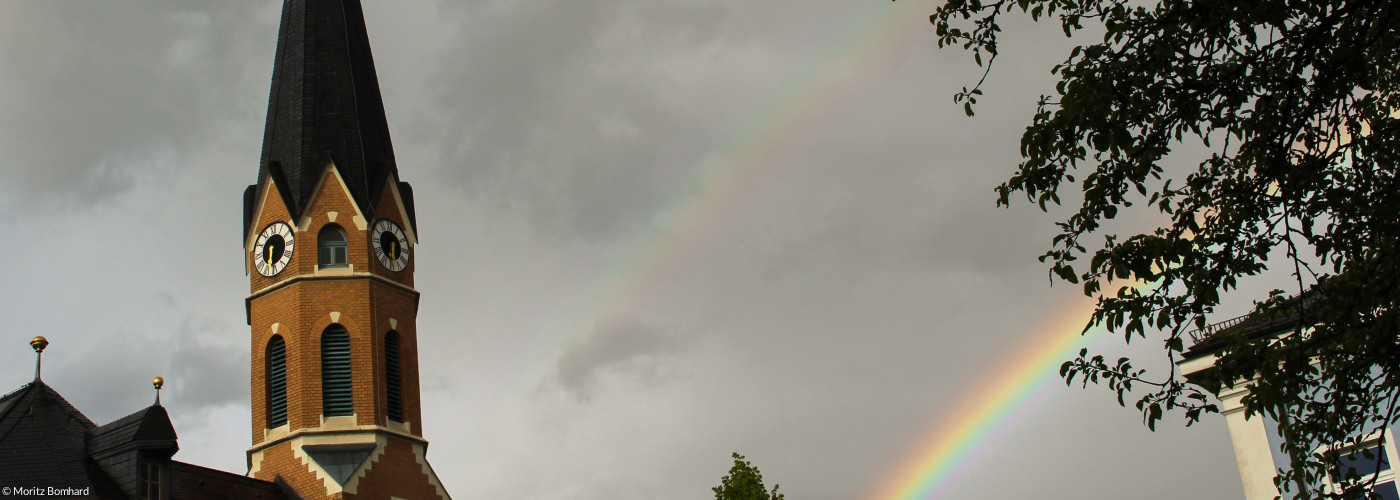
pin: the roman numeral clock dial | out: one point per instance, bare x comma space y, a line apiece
273, 249
390, 245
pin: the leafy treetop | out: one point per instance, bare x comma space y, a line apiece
1295, 104
744, 482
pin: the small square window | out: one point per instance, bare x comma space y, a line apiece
150, 487
1370, 463
332, 250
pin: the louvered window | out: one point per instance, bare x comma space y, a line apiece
336, 392
392, 379
276, 382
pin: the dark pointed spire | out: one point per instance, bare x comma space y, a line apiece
324, 106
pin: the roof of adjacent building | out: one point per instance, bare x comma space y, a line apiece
1249, 326
148, 426
193, 481
43, 441
46, 442
118, 447
325, 107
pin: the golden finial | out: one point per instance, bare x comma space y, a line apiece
38, 343
158, 383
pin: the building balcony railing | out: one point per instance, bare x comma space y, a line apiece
1211, 330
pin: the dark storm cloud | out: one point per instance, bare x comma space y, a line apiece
97, 86
559, 110
622, 347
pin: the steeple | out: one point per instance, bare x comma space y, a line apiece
325, 107
335, 396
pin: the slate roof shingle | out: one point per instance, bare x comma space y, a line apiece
43, 443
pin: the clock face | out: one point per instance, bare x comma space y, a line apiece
390, 244
273, 249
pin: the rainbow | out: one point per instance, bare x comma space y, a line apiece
934, 464
715, 187
716, 184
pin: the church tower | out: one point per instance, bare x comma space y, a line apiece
329, 237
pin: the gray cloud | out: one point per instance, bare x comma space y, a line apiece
110, 376
208, 364
105, 380
623, 348
93, 89
560, 111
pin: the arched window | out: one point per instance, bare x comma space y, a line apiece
276, 382
332, 247
337, 398
393, 381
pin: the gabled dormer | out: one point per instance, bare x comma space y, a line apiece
135, 452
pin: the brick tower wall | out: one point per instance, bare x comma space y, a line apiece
369, 301
302, 309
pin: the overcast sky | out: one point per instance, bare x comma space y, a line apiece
652, 233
